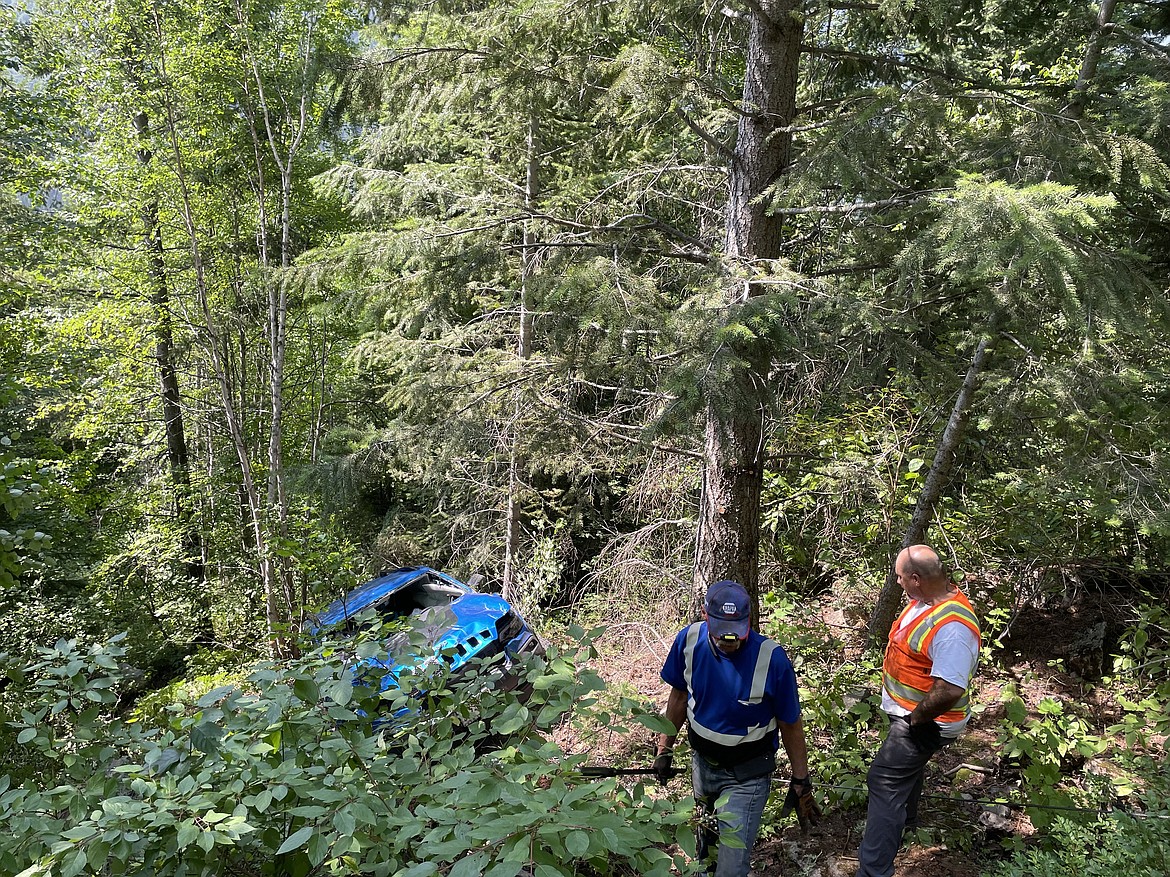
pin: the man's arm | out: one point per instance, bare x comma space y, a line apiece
941, 697
676, 714
795, 746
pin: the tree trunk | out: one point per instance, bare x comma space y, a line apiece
1080, 96
289, 132
932, 488
178, 465
523, 352
728, 542
277, 348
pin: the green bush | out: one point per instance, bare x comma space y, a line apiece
1111, 845
1047, 748
840, 700
284, 774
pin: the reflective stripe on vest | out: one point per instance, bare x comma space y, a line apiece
906, 669
759, 683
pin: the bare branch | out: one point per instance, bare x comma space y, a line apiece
704, 135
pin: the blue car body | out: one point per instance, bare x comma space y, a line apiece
446, 621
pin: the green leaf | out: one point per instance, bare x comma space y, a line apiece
188, 831
341, 691
344, 823
206, 737
577, 843
657, 723
306, 690
75, 865
504, 869
26, 735
318, 849
422, 869
96, 854
296, 840
468, 866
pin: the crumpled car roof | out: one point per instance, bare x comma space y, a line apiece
376, 589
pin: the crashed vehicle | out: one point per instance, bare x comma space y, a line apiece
444, 621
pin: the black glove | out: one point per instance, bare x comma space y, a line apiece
800, 798
925, 735
664, 765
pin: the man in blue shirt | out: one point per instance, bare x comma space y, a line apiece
735, 692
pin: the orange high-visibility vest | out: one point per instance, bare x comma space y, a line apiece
906, 670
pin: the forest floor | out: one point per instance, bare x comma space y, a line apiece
957, 838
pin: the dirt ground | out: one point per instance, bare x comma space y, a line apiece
959, 836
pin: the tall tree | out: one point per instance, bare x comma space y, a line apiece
735, 446
525, 231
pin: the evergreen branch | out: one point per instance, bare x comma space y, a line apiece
820, 209
421, 52
651, 224
615, 430
1161, 53
885, 60
613, 388
847, 269
705, 136
461, 52
703, 258
757, 9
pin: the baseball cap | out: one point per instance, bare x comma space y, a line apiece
729, 610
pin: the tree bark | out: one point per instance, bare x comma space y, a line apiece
932, 488
729, 534
1088, 72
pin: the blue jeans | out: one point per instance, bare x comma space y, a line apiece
738, 817
895, 785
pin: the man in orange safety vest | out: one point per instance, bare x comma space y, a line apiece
930, 657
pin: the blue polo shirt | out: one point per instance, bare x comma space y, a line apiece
734, 702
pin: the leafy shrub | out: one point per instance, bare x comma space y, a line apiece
839, 700
1047, 748
1112, 845
1141, 681
283, 775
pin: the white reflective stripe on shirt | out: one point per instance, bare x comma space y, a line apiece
763, 663
759, 732
689, 653
759, 683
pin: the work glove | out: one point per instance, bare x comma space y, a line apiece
926, 735
664, 766
800, 798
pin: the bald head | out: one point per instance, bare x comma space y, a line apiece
920, 573
923, 560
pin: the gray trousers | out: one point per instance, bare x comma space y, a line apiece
895, 785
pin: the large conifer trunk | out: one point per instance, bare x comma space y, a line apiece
763, 147
729, 517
